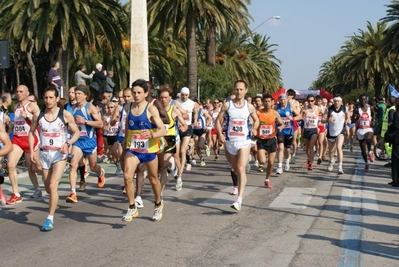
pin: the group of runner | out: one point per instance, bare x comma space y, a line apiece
162, 136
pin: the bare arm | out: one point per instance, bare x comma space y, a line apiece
180, 108
219, 120
73, 128
31, 134
5, 139
96, 122
156, 119
182, 123
255, 119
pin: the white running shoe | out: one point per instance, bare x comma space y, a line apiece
193, 162
172, 163
158, 212
331, 165
234, 191
179, 185
340, 171
130, 214
287, 166
279, 170
139, 202
256, 164
236, 205
188, 167
207, 151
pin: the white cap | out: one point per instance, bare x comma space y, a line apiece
114, 99
99, 65
185, 91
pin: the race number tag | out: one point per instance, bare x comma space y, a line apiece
139, 144
52, 141
82, 129
236, 128
19, 128
265, 131
286, 122
311, 121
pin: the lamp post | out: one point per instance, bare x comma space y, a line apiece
199, 89
274, 17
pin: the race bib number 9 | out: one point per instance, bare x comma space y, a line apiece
52, 141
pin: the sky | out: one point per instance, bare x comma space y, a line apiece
310, 32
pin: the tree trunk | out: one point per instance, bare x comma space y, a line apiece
32, 69
16, 58
211, 47
62, 58
191, 25
377, 84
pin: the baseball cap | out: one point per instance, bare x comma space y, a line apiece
114, 99
185, 91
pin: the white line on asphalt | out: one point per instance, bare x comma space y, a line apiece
356, 198
293, 198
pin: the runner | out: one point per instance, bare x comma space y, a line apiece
214, 134
321, 140
266, 135
6, 148
87, 119
238, 134
350, 127
336, 116
52, 123
295, 107
310, 116
285, 136
110, 134
258, 103
141, 146
174, 115
363, 116
22, 121
199, 130
185, 137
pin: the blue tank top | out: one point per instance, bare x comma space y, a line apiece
284, 114
86, 131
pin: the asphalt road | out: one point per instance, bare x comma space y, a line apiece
310, 218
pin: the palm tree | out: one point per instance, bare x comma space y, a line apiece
184, 16
391, 42
64, 27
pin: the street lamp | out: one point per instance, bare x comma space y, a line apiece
199, 89
274, 17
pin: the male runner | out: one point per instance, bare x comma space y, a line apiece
310, 115
53, 124
6, 148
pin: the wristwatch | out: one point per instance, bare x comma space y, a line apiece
29, 116
85, 121
68, 144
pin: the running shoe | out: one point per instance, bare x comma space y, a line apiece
86, 174
139, 202
351, 148
179, 185
207, 151
310, 167
247, 167
319, 161
324, 158
130, 214
193, 162
188, 167
234, 191
307, 164
340, 171
371, 156
48, 225
279, 170
256, 164
72, 198
236, 205
123, 190
260, 168
331, 165
268, 184
366, 168
14, 199
101, 179
202, 164
158, 212
293, 160
287, 166
3, 198
118, 169
82, 185
36, 194
216, 158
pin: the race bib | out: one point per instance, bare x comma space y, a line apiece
311, 121
236, 128
139, 144
20, 128
51, 141
287, 122
82, 129
265, 131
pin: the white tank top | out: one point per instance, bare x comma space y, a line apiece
311, 119
21, 125
238, 123
52, 134
215, 114
188, 106
335, 128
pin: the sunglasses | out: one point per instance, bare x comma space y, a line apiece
311, 100
215, 102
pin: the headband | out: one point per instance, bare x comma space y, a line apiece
82, 89
338, 98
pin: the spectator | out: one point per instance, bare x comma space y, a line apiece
98, 79
81, 77
395, 146
109, 84
54, 78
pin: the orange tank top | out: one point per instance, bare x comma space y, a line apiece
267, 124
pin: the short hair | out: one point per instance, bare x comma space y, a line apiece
81, 66
48, 89
291, 92
54, 63
318, 97
267, 96
141, 83
241, 81
166, 89
258, 96
309, 96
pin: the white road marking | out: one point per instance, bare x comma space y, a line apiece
293, 198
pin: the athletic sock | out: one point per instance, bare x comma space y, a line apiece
82, 172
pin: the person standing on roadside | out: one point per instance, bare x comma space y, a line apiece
98, 78
395, 146
81, 77
54, 78
52, 124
